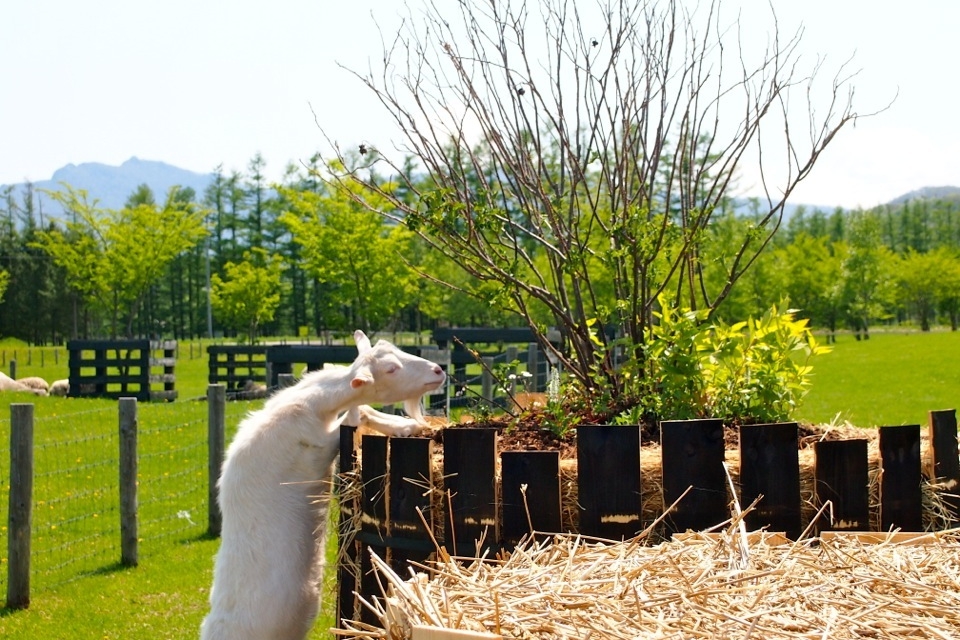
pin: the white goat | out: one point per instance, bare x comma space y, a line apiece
267, 569
9, 384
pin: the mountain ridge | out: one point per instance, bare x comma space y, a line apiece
110, 185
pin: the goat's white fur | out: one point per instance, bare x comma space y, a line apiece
267, 569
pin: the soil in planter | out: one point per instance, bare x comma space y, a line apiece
527, 434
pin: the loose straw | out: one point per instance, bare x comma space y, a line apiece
726, 586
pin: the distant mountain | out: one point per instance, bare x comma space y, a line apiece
111, 186
928, 193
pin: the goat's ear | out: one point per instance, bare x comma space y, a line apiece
363, 342
361, 377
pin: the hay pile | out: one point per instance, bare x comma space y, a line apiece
727, 586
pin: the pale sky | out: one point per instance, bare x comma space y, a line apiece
197, 83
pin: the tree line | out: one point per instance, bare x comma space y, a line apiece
309, 257
318, 261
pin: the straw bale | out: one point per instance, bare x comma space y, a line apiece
723, 586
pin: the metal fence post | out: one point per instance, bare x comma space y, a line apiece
129, 552
20, 516
216, 427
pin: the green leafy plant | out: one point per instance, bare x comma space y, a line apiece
752, 371
759, 369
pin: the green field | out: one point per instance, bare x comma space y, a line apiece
890, 379
81, 592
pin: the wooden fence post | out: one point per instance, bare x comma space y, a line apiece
411, 487
842, 477
533, 366
486, 380
946, 464
900, 492
20, 515
530, 493
469, 471
692, 457
216, 428
348, 561
609, 503
373, 505
128, 482
770, 467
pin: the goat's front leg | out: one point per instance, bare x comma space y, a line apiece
387, 424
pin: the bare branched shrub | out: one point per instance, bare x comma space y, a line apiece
574, 154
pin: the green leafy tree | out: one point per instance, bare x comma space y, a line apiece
807, 271
249, 292
359, 259
4, 283
948, 283
113, 257
576, 173
865, 275
927, 283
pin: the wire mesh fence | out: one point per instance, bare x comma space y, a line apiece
76, 513
75, 522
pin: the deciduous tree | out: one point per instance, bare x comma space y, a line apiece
249, 292
112, 257
577, 153
361, 260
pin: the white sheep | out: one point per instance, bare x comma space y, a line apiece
9, 384
268, 566
253, 390
37, 383
60, 388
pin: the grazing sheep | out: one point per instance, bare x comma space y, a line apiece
60, 388
9, 384
37, 383
267, 569
253, 390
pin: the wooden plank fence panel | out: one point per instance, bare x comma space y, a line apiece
122, 368
530, 487
770, 467
348, 561
900, 494
693, 454
841, 477
469, 470
944, 459
608, 481
411, 488
373, 475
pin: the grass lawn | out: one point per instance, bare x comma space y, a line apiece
890, 379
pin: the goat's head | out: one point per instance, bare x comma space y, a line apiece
387, 374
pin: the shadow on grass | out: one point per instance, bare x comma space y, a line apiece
9, 611
114, 567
